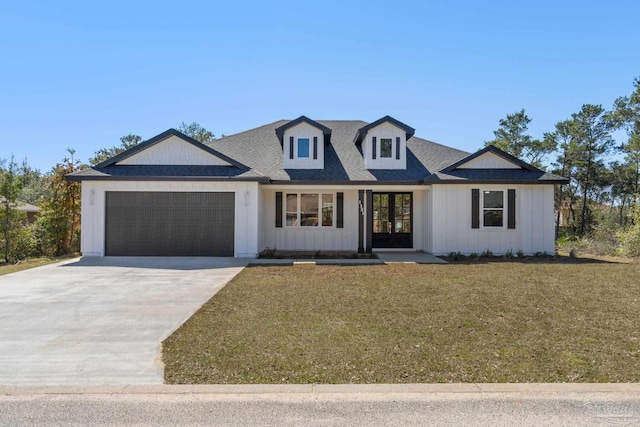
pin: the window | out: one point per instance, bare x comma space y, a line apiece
327, 210
385, 148
309, 210
292, 210
493, 208
303, 148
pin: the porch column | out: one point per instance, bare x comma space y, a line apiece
369, 222
360, 221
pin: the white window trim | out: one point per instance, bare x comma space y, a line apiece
298, 211
504, 210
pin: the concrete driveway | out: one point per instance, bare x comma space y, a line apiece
100, 320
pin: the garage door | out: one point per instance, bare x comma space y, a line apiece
169, 224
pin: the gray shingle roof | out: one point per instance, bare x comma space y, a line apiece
257, 154
260, 149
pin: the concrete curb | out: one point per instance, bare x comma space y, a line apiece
324, 389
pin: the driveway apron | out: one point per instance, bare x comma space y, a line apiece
94, 321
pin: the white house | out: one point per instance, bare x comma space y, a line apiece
331, 185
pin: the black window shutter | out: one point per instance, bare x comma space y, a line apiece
340, 210
475, 208
397, 148
278, 209
511, 208
373, 145
291, 147
315, 147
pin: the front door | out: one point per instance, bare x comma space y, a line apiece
392, 220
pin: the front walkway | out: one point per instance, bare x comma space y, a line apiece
409, 257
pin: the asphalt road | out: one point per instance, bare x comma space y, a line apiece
326, 409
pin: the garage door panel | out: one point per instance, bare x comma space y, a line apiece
170, 224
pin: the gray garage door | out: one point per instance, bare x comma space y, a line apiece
169, 224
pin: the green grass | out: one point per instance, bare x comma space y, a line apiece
30, 263
483, 322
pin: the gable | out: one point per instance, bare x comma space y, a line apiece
312, 157
174, 151
280, 131
488, 160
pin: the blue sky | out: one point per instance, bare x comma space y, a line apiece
82, 74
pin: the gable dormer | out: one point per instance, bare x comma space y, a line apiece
303, 141
384, 143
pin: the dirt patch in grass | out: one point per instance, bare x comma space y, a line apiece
486, 322
30, 263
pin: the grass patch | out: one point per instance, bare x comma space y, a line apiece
485, 322
31, 263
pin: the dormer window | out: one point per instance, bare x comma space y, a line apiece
385, 148
384, 143
303, 141
303, 148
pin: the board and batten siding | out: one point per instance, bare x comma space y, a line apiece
451, 221
303, 130
489, 161
309, 238
332, 238
92, 241
173, 151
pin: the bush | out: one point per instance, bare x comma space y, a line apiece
487, 253
629, 239
457, 256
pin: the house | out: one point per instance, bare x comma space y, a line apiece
30, 210
330, 185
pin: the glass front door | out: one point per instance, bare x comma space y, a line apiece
392, 220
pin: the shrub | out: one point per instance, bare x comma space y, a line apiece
487, 253
457, 256
509, 254
629, 239
520, 254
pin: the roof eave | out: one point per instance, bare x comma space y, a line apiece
79, 178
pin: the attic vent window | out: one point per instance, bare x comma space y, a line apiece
385, 148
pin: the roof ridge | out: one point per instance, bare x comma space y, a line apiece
245, 131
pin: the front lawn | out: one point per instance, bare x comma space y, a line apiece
403, 323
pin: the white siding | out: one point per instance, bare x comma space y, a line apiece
451, 221
310, 238
489, 161
428, 223
173, 151
333, 239
93, 210
385, 130
303, 130
419, 219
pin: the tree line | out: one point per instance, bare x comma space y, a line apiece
56, 230
601, 198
